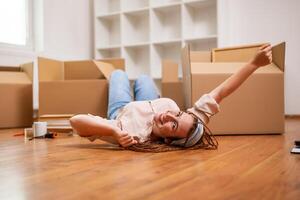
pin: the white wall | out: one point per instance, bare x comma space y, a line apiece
67, 29
254, 21
14, 58
65, 32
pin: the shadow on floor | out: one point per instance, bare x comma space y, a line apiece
107, 146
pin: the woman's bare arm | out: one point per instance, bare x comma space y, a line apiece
262, 58
87, 126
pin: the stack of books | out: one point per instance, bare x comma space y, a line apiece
57, 123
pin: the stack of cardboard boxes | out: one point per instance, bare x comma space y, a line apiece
65, 89
72, 87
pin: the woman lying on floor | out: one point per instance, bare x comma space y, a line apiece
156, 124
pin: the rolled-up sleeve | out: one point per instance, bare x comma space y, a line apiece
205, 108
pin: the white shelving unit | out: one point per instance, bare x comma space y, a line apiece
104, 7
160, 51
166, 23
137, 60
131, 5
160, 3
200, 19
109, 28
202, 44
145, 32
111, 52
135, 27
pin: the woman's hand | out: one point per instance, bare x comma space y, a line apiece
124, 139
263, 57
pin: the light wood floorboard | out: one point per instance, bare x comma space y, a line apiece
244, 167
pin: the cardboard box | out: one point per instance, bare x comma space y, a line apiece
16, 96
257, 107
245, 53
73, 87
171, 86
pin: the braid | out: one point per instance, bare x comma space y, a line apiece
208, 141
153, 147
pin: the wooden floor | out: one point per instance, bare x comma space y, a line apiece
244, 167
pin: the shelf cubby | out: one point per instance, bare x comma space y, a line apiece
129, 5
137, 60
135, 27
200, 20
202, 44
104, 7
109, 53
108, 31
166, 23
162, 51
158, 3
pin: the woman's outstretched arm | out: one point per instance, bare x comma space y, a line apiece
262, 58
87, 126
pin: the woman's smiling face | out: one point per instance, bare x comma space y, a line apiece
172, 124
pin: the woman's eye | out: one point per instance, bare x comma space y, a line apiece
173, 125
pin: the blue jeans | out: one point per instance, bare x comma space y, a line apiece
120, 92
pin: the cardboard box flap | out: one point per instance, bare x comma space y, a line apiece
229, 68
14, 78
186, 75
118, 63
85, 69
169, 71
240, 47
9, 68
28, 69
50, 70
235, 54
278, 55
56, 116
200, 56
105, 68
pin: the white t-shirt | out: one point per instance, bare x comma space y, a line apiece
205, 108
136, 117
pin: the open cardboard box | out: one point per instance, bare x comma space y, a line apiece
257, 107
16, 96
171, 86
229, 54
73, 87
